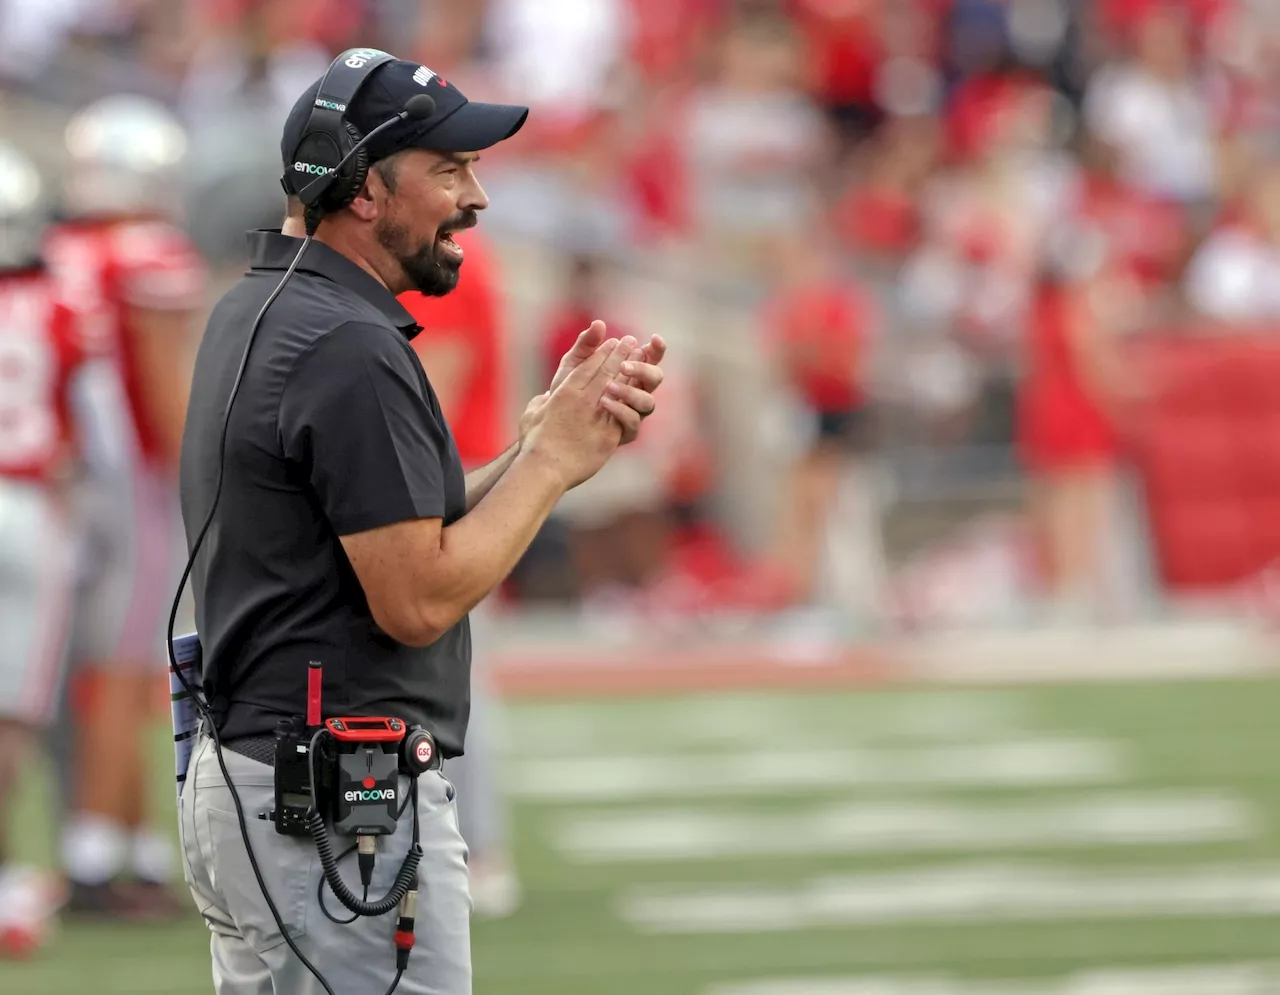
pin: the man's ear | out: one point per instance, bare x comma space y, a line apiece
368, 203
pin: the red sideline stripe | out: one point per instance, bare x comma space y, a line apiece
661, 672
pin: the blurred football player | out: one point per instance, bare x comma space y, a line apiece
464, 348
38, 356
138, 285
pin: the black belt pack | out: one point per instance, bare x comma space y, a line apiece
356, 763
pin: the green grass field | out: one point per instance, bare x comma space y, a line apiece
1088, 840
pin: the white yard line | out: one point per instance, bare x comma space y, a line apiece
1209, 647
1191, 979
906, 826
747, 722
967, 893
1025, 763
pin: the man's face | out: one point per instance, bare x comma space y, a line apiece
429, 196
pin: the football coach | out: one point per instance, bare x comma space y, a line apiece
342, 530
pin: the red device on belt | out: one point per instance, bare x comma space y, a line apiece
364, 729
315, 681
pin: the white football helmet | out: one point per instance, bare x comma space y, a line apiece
124, 156
24, 209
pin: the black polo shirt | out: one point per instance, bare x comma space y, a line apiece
335, 430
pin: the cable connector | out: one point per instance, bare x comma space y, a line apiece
404, 929
366, 855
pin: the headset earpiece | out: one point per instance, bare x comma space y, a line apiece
328, 136
344, 191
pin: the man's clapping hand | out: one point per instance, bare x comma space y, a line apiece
572, 427
629, 398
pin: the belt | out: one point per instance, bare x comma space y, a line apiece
261, 748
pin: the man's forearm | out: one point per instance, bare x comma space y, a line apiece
480, 481
479, 550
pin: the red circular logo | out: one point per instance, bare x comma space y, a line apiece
423, 751
369, 782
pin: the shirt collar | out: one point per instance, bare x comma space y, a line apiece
269, 249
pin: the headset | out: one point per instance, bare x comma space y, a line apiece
334, 150
329, 137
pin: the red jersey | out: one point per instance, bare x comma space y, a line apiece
468, 322
844, 48
105, 269
822, 333
1060, 422
38, 355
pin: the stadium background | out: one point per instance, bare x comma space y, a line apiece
928, 775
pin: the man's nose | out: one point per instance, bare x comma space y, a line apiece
473, 197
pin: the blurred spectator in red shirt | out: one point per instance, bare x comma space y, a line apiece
818, 327
656, 180
1071, 408
464, 351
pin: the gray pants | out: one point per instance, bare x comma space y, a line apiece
250, 957
482, 809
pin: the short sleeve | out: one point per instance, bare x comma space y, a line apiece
354, 413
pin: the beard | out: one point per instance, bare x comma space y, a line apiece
428, 268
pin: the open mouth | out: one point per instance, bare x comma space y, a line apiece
451, 248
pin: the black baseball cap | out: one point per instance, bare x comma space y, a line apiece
456, 125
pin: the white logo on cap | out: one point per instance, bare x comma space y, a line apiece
360, 56
422, 75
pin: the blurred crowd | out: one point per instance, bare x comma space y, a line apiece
889, 239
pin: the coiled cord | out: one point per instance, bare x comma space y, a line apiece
405, 880
412, 796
